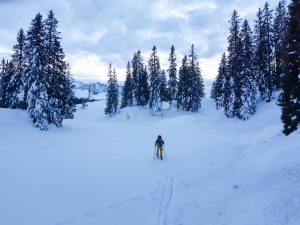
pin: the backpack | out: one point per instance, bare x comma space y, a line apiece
159, 142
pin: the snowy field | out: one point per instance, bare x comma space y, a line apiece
97, 170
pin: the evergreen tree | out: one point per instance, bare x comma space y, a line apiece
183, 85
60, 92
264, 52
172, 83
232, 95
217, 92
38, 82
280, 32
139, 76
155, 101
143, 87
135, 77
164, 95
290, 97
127, 94
7, 70
3, 84
196, 87
68, 107
18, 82
112, 96
247, 79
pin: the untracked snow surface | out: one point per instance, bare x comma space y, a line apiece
98, 170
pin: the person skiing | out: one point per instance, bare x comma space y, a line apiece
159, 144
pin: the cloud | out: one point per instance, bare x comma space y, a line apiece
150, 34
164, 9
87, 66
5, 50
209, 66
94, 37
90, 66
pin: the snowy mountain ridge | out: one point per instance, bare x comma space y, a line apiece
95, 87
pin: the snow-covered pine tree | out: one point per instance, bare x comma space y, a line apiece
183, 85
259, 51
143, 87
38, 81
280, 32
196, 86
139, 76
18, 81
10, 70
6, 91
1, 78
217, 92
69, 108
60, 91
112, 96
232, 95
172, 83
247, 78
264, 55
155, 101
127, 92
164, 95
3, 84
135, 78
289, 99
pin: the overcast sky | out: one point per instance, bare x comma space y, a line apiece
96, 32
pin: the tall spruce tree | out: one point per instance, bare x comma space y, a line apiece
3, 84
68, 107
164, 95
18, 81
172, 83
155, 101
264, 55
127, 93
143, 87
2, 68
217, 92
38, 81
139, 76
196, 86
135, 77
112, 96
232, 95
60, 93
183, 85
280, 32
10, 89
6, 91
247, 79
290, 97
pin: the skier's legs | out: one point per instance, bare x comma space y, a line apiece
161, 152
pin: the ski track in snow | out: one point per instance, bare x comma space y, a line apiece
65, 222
151, 195
166, 199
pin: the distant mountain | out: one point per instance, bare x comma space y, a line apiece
96, 88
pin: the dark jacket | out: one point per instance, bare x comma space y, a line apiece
159, 142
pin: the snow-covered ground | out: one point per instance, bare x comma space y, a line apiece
98, 170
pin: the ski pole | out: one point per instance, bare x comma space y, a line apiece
165, 152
